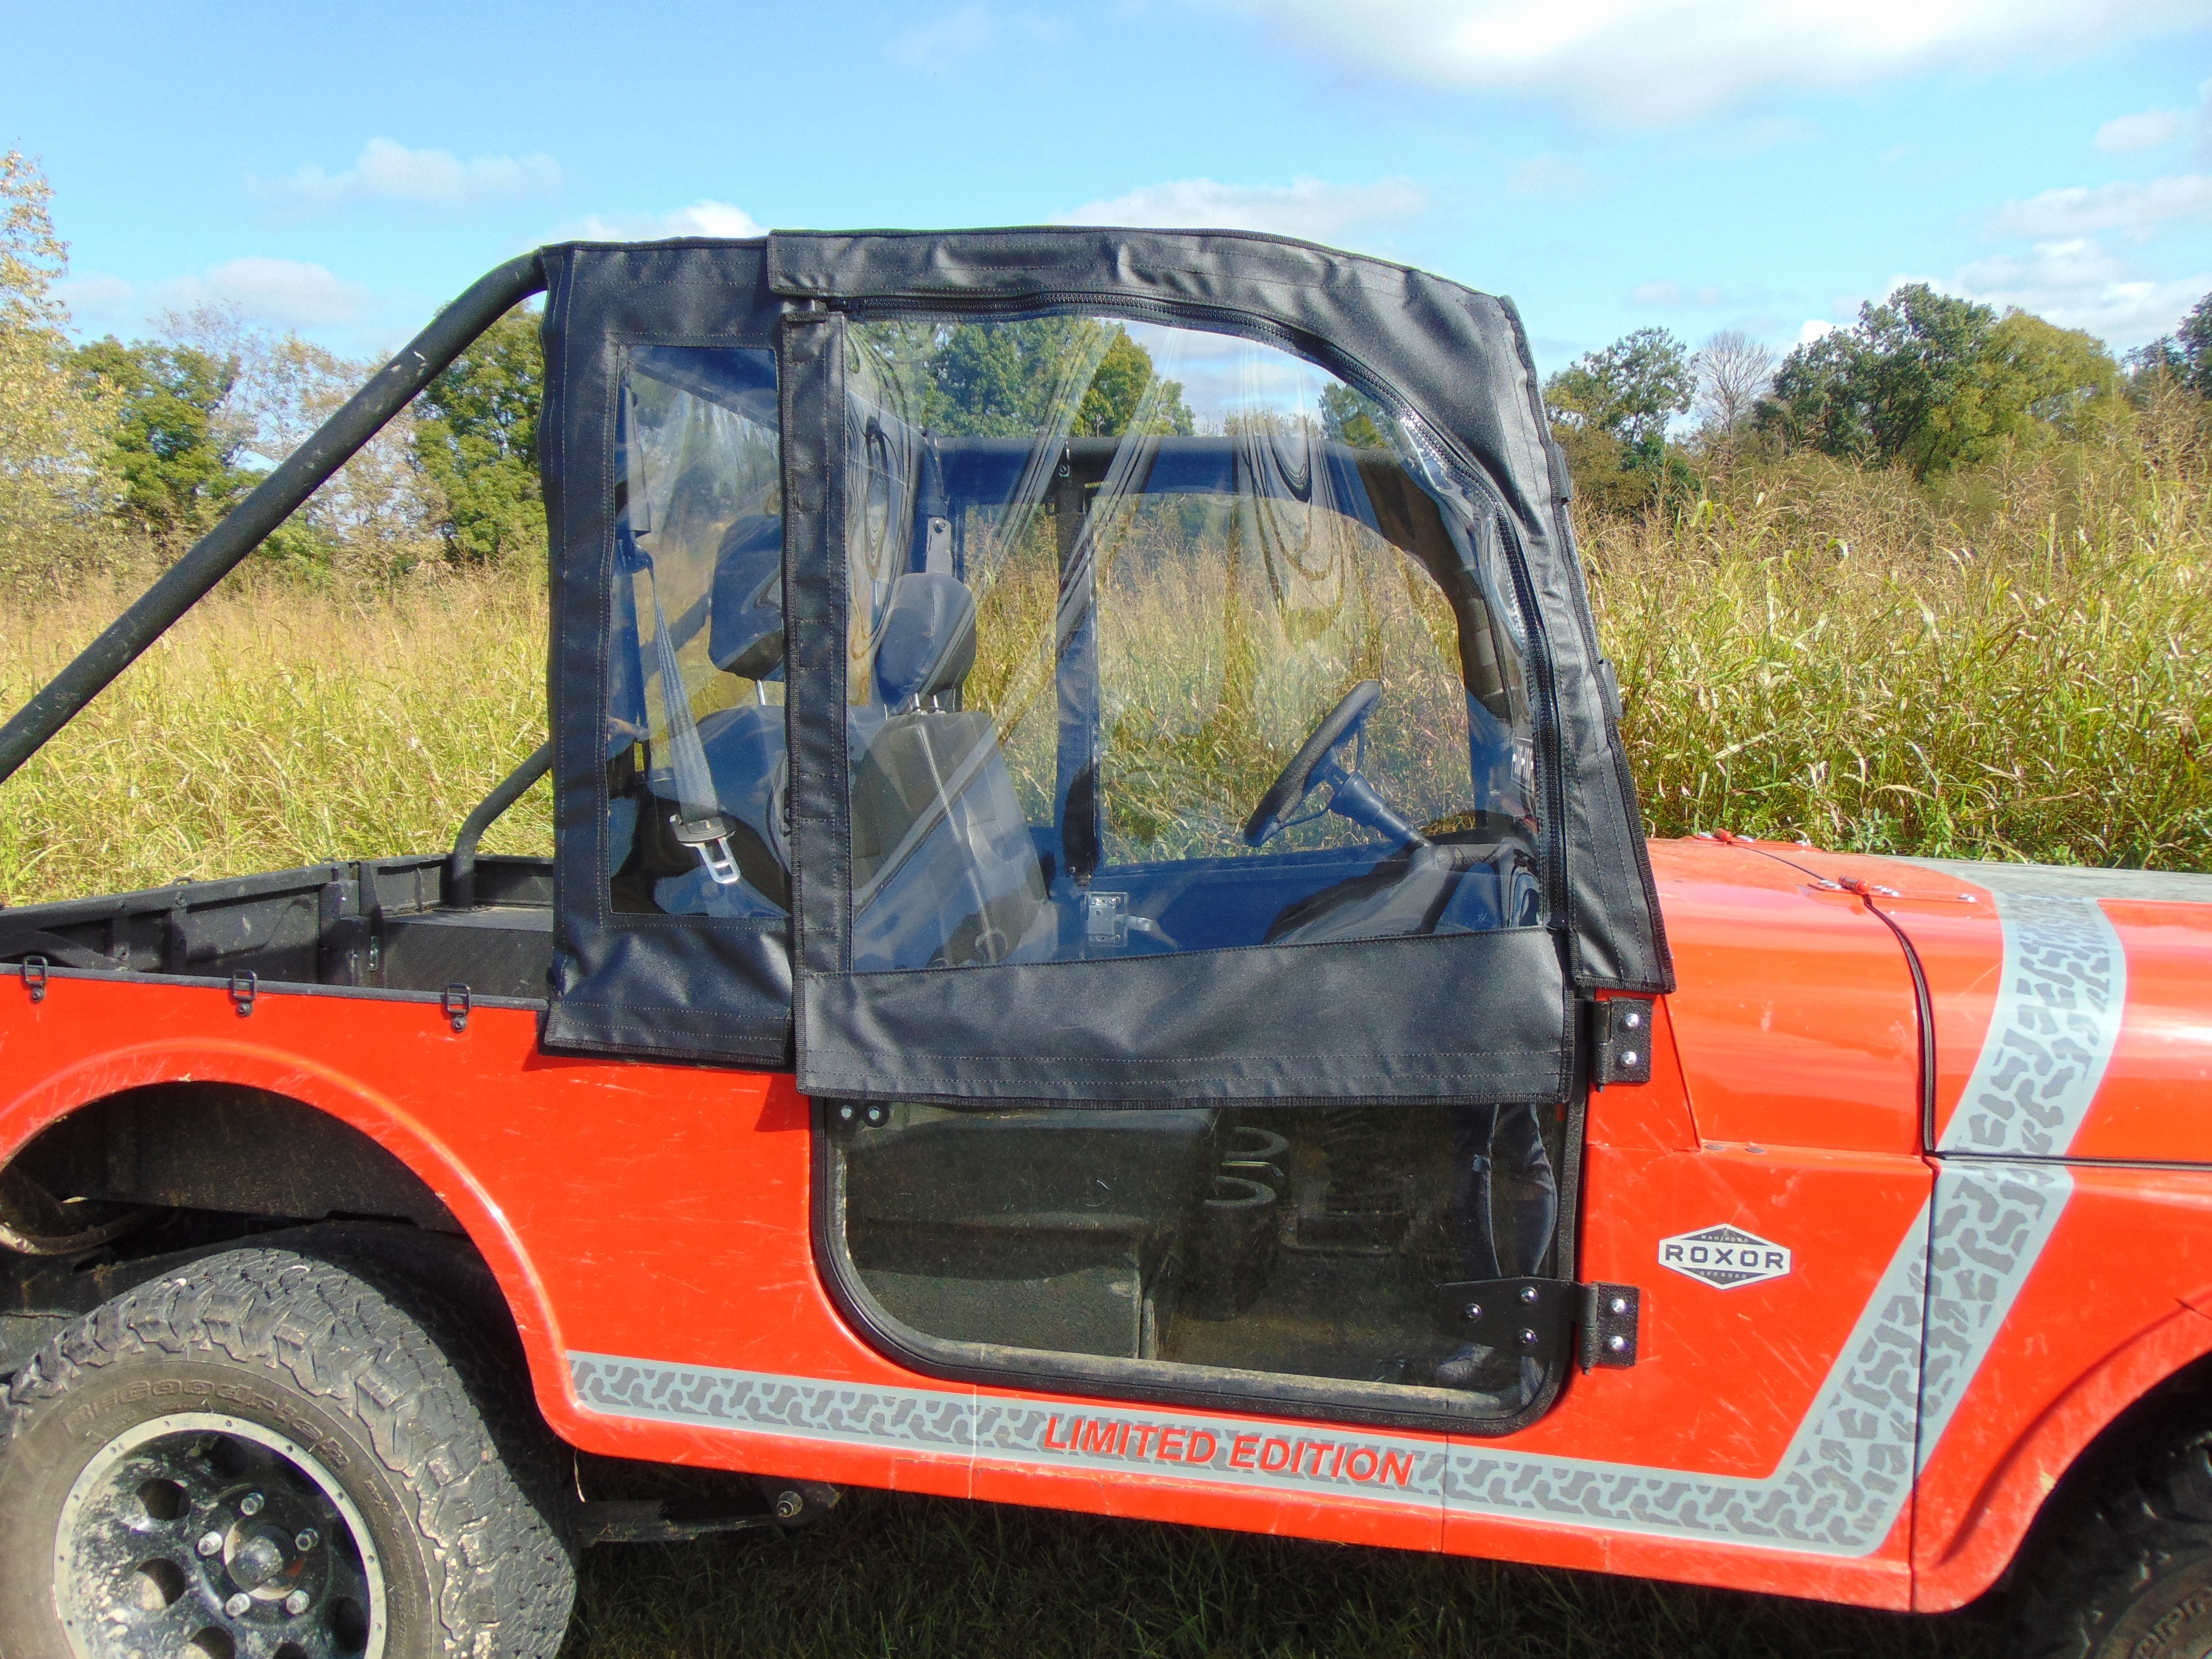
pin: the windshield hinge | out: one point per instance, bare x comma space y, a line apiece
1538, 1318
1620, 1041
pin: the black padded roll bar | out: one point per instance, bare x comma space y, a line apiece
184, 583
461, 863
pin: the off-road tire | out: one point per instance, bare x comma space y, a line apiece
2131, 1578
411, 1406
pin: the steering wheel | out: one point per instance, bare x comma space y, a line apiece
1315, 764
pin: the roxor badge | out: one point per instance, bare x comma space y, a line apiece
1724, 1257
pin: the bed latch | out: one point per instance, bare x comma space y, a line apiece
456, 1002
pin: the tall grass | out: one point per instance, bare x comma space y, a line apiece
2020, 666
275, 726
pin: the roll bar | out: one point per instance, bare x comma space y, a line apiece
184, 583
461, 862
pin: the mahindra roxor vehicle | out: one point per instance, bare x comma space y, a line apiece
1098, 953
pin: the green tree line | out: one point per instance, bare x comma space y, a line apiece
1926, 382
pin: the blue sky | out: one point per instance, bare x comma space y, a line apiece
1698, 164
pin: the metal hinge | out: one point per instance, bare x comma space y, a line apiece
1538, 1318
1620, 1041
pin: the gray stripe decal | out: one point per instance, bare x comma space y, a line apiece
1837, 1490
1992, 1221
1844, 1478
2062, 985
914, 1419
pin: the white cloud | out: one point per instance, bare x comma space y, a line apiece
702, 218
289, 292
1556, 178
2078, 282
1309, 208
2079, 210
1643, 62
944, 42
386, 170
2148, 130
1814, 328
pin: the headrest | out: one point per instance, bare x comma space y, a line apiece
927, 641
744, 628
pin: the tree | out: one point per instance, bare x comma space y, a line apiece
377, 516
1872, 393
1628, 391
1118, 392
1734, 372
475, 439
1937, 382
1351, 418
2184, 355
177, 468
53, 480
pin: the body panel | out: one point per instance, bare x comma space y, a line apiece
650, 1226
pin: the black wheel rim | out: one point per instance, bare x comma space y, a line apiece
205, 1536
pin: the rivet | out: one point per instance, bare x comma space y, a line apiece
1629, 1056
1619, 1304
1474, 1311
251, 1503
211, 1543
1528, 1338
238, 1605
1528, 1292
1633, 1021
305, 1540
296, 1603
845, 1114
1617, 1344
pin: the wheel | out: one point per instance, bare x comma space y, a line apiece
2134, 1576
272, 1455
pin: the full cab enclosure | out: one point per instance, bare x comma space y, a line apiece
1118, 712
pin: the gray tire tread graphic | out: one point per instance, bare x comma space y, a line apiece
2146, 1545
446, 1415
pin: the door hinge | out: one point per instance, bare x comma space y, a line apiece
1538, 1319
1620, 1041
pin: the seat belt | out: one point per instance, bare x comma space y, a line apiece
699, 821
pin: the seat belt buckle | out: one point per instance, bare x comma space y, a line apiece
709, 838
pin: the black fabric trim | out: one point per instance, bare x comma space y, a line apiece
1448, 1017
671, 987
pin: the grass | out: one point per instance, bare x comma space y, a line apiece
2016, 667
890, 1574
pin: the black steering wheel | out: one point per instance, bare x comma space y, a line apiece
1312, 766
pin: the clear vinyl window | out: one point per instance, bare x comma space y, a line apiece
1162, 640
697, 774
1336, 1245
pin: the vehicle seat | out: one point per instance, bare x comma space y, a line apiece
944, 873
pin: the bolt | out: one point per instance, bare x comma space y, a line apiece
1473, 1312
296, 1603
1632, 1021
1628, 1056
1619, 1305
238, 1605
305, 1541
1527, 1339
844, 1114
251, 1503
789, 1505
211, 1543
1528, 1294
1616, 1344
